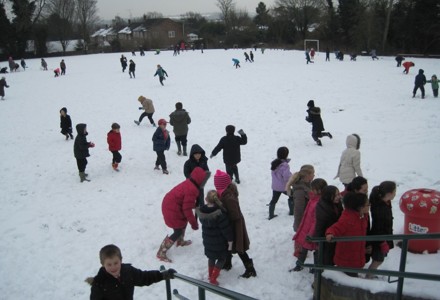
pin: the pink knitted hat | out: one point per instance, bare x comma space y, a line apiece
221, 181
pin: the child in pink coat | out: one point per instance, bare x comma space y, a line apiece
307, 225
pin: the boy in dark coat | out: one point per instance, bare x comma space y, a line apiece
63, 67
123, 60
116, 281
65, 124
216, 233
197, 158
132, 69
230, 144
419, 83
161, 142
314, 117
399, 59
180, 119
81, 150
115, 144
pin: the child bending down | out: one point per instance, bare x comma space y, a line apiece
216, 233
116, 280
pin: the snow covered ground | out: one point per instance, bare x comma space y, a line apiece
52, 226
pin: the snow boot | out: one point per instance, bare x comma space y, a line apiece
166, 244
179, 148
181, 242
272, 211
290, 203
115, 166
136, 122
250, 270
184, 151
82, 177
214, 275
228, 263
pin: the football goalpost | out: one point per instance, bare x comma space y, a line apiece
311, 43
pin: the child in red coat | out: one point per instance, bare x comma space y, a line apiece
307, 225
407, 65
114, 145
353, 222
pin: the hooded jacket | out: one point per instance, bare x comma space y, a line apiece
280, 176
81, 146
350, 163
147, 104
191, 163
180, 119
230, 144
178, 204
420, 79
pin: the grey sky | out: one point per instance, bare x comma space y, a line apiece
108, 9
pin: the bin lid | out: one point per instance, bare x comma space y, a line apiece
421, 203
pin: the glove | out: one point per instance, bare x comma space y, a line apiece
195, 226
241, 132
211, 156
91, 145
384, 247
141, 108
168, 274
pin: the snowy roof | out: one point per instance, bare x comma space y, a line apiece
125, 30
103, 32
140, 28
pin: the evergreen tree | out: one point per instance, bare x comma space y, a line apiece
22, 24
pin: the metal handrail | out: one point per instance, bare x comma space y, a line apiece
401, 274
203, 287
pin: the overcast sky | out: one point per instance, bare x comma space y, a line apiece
108, 9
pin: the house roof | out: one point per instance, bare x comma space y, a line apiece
104, 32
125, 30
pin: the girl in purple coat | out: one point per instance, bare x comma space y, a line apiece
280, 175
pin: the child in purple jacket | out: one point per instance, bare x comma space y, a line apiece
280, 175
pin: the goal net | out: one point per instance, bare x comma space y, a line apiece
308, 44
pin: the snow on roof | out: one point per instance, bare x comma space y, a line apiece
103, 32
125, 30
140, 28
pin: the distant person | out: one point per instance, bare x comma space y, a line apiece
23, 64
314, 117
44, 64
434, 85
63, 67
407, 65
180, 119
327, 54
148, 107
116, 280
65, 124
230, 144
3, 85
114, 142
246, 56
373, 54
123, 61
4, 70
399, 59
56, 72
161, 73
312, 54
132, 69
353, 56
251, 55
308, 57
419, 83
236, 63
12, 64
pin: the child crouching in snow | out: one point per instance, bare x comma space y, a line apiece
65, 124
116, 280
216, 233
307, 226
115, 144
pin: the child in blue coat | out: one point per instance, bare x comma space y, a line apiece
161, 142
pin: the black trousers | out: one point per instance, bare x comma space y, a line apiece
176, 234
117, 157
422, 89
160, 161
232, 171
81, 163
182, 139
145, 114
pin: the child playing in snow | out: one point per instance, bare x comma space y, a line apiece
197, 158
116, 280
3, 85
280, 172
308, 57
419, 83
314, 117
177, 210
216, 233
132, 69
81, 150
350, 163
161, 72
147, 105
382, 221
115, 144
56, 72
65, 124
230, 144
353, 222
307, 226
434, 85
407, 65
236, 63
161, 142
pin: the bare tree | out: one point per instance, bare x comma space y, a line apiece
40, 5
63, 13
227, 9
86, 13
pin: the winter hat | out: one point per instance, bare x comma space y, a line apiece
115, 126
311, 103
230, 129
179, 105
221, 181
282, 153
64, 109
162, 122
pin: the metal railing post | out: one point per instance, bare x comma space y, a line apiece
402, 266
202, 295
319, 275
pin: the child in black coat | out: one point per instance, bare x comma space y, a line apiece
65, 124
216, 233
116, 281
314, 117
197, 158
81, 150
132, 69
